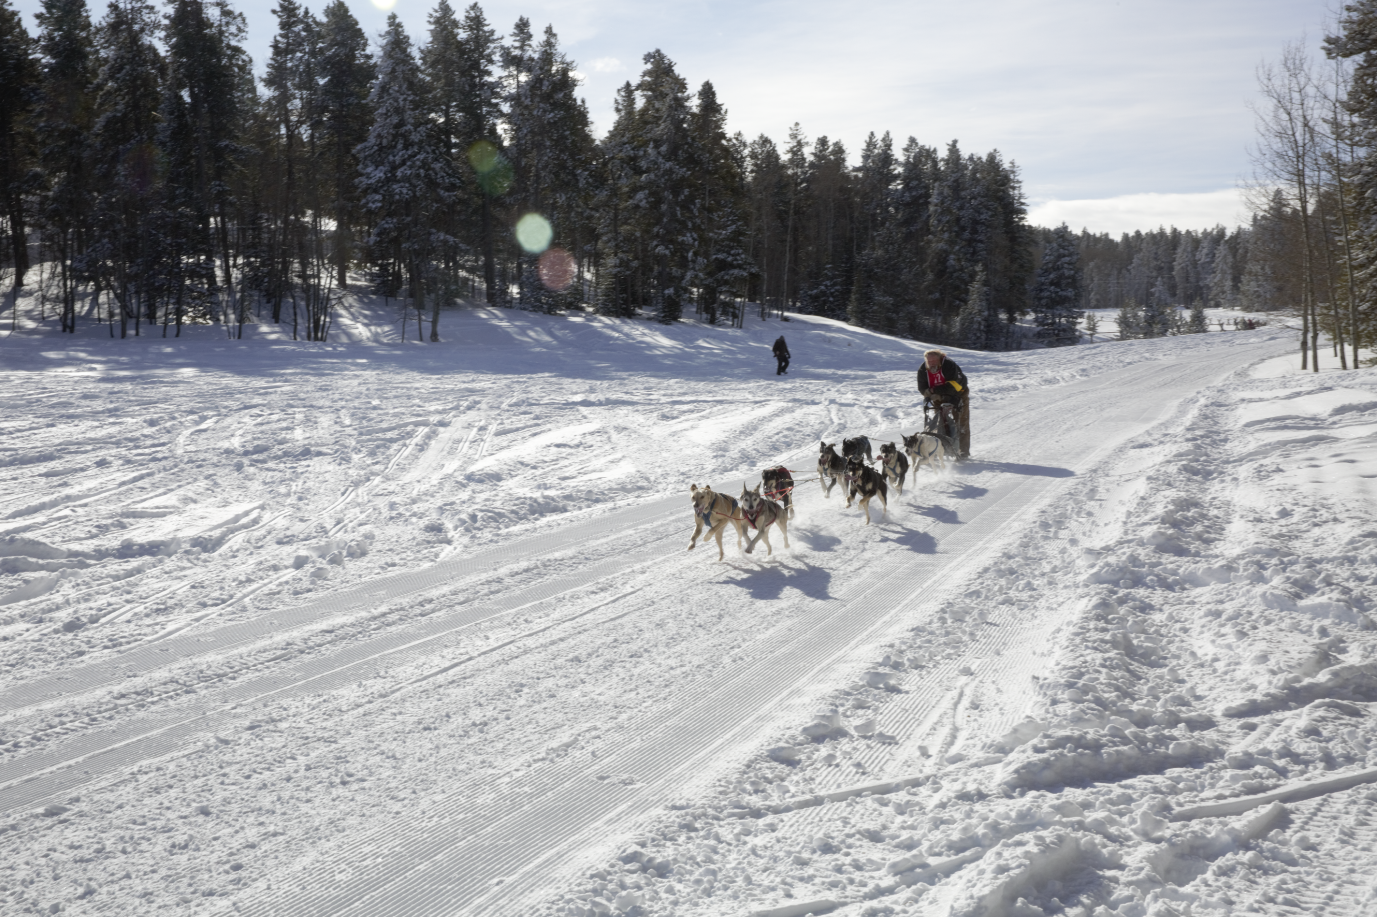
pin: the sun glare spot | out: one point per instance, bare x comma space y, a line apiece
384, 4
534, 233
557, 269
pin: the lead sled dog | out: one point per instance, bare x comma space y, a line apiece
713, 511
895, 465
760, 513
831, 468
865, 482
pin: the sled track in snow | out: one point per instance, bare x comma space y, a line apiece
449, 857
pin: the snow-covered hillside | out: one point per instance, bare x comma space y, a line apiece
393, 628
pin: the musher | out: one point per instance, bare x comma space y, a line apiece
941, 382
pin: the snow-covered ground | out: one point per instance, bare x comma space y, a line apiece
394, 628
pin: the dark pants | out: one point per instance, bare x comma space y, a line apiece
783, 364
962, 404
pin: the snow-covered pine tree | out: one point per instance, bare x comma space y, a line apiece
972, 322
1221, 293
1158, 310
207, 65
665, 181
124, 152
290, 79
481, 107
1196, 324
181, 256
19, 73
1130, 320
878, 264
343, 116
720, 263
550, 142
405, 178
65, 119
617, 261
1056, 296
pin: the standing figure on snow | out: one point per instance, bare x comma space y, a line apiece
941, 382
782, 355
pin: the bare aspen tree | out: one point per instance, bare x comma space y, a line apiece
1341, 157
1287, 158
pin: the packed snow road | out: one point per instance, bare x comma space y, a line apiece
387, 630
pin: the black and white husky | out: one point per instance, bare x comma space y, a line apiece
865, 482
760, 513
895, 466
926, 449
831, 468
857, 446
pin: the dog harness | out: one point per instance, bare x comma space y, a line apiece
752, 517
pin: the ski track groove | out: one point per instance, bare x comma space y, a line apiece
747, 697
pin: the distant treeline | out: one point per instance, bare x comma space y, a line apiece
155, 180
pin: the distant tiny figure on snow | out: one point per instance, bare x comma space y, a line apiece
782, 355
942, 382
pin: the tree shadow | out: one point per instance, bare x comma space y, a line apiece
815, 540
1041, 471
917, 541
940, 514
770, 581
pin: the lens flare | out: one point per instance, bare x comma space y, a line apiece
534, 233
557, 269
384, 4
494, 170
483, 156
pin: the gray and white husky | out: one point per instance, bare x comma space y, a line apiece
760, 513
926, 449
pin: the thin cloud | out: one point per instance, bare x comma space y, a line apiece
1129, 212
607, 65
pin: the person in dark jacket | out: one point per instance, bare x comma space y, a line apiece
941, 382
782, 356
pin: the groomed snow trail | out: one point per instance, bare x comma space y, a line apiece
472, 734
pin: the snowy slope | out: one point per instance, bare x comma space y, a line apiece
392, 628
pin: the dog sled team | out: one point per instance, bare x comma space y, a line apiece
946, 436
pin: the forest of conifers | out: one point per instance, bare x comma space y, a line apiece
151, 178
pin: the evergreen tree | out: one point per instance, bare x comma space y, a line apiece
617, 256
1158, 310
206, 67
1130, 320
664, 187
19, 73
721, 263
289, 108
1222, 292
343, 116
1056, 295
550, 143
1196, 324
127, 166
405, 178
481, 108
64, 127
973, 323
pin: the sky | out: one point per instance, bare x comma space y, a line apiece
1120, 115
